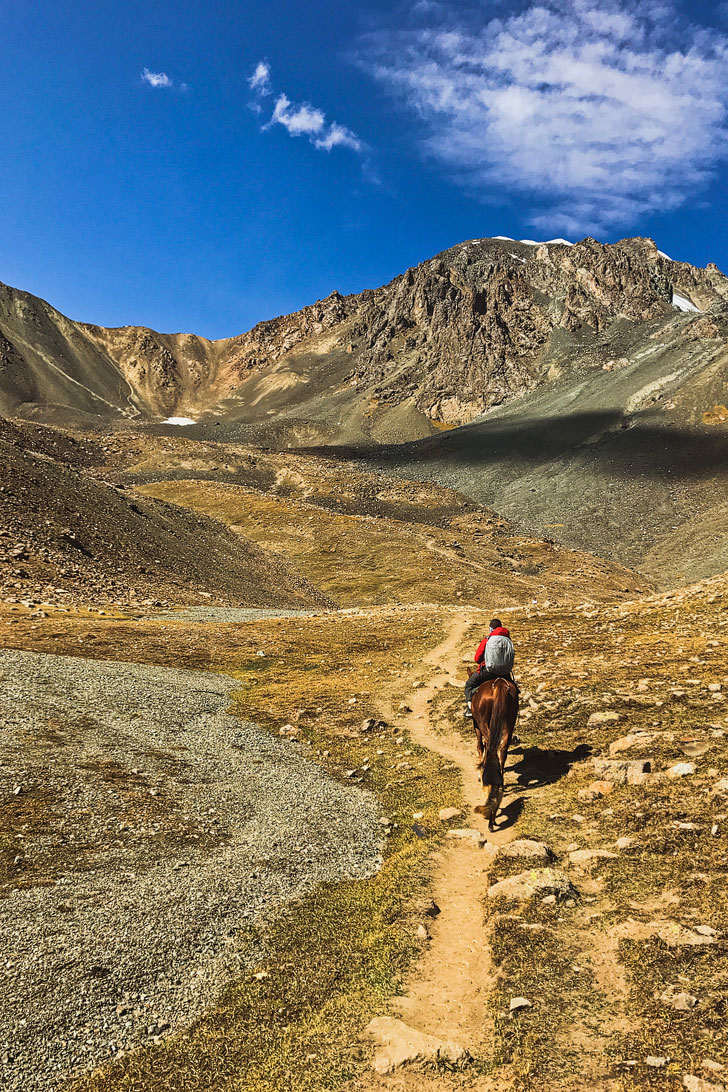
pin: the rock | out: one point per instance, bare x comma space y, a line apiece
422, 933
418, 815
720, 788
402, 1045
432, 910
711, 1066
655, 1062
677, 936
417, 685
526, 847
446, 814
519, 1003
468, 834
549, 900
403, 707
598, 720
536, 883
623, 772
705, 930
595, 791
714, 687
681, 769
368, 725
697, 1084
625, 742
678, 999
583, 857
385, 821
626, 842
694, 748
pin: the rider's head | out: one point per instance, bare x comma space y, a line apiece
495, 623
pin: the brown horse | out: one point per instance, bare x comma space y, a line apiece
495, 708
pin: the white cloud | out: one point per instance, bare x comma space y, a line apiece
259, 82
338, 136
599, 113
300, 118
157, 79
297, 119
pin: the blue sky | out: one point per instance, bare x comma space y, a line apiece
148, 176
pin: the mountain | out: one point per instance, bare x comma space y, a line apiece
578, 390
475, 327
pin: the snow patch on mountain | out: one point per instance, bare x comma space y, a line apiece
683, 303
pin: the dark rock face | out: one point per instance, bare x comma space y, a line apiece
474, 327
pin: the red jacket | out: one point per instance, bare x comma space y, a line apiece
501, 631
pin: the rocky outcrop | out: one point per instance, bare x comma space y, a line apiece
474, 327
491, 319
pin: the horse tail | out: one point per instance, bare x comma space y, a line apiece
492, 773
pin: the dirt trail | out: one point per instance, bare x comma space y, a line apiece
447, 992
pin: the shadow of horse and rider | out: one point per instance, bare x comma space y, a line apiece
495, 710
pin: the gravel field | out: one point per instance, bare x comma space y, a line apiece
143, 832
226, 614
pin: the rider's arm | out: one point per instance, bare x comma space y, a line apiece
480, 652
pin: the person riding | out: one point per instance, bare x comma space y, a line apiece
494, 655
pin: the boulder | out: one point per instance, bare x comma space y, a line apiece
681, 769
468, 834
678, 999
595, 791
526, 847
697, 1084
582, 857
670, 932
534, 884
446, 814
625, 742
598, 720
401, 1045
623, 772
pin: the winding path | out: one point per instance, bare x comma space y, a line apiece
447, 989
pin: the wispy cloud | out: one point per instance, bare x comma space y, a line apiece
598, 112
157, 79
259, 82
300, 118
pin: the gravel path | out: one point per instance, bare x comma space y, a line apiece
142, 830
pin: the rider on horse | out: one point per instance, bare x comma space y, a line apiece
494, 656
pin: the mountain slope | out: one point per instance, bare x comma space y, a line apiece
64, 534
631, 464
474, 327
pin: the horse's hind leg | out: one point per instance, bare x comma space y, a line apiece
494, 802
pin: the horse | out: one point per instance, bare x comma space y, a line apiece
495, 708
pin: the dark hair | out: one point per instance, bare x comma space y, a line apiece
495, 623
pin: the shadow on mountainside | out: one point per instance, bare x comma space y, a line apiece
632, 446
